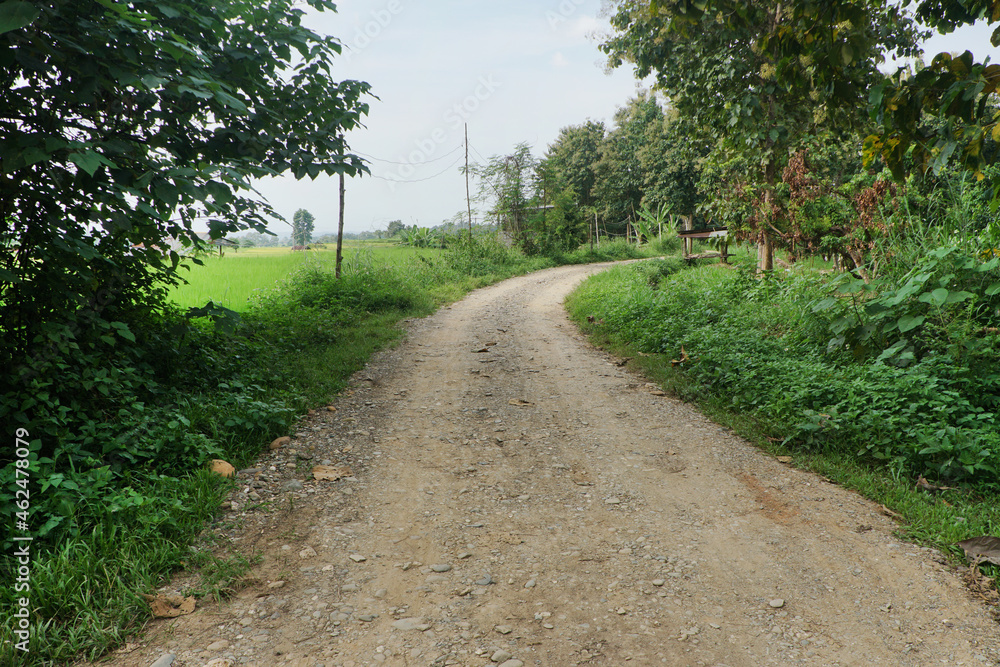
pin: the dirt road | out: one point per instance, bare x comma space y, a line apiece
516, 498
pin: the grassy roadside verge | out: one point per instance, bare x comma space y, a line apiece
121, 436
759, 365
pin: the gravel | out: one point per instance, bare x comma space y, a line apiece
577, 519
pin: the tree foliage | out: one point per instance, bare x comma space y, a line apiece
758, 77
123, 126
394, 228
570, 159
303, 224
507, 184
618, 184
957, 92
670, 160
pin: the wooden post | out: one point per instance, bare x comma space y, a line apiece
340, 228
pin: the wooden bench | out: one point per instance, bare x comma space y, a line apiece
688, 237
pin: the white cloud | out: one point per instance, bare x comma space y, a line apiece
559, 60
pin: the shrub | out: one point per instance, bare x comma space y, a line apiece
760, 346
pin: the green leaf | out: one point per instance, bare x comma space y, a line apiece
828, 303
854, 286
90, 161
123, 331
955, 297
169, 11
936, 298
841, 325
993, 289
990, 265
909, 322
16, 14
847, 53
194, 91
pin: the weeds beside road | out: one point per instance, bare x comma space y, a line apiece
121, 438
756, 355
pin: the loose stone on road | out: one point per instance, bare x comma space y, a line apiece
517, 498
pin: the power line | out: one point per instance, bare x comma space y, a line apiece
478, 153
418, 180
437, 159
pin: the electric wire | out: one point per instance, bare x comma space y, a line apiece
418, 180
437, 159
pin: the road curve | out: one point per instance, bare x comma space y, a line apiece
517, 498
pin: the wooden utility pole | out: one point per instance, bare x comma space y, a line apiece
468, 200
340, 227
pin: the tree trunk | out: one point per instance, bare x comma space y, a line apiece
765, 253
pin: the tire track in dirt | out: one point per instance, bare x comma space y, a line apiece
535, 504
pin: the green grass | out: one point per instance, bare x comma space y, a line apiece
87, 590
755, 369
235, 278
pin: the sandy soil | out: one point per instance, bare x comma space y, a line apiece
517, 498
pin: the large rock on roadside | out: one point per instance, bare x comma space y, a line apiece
278, 443
222, 468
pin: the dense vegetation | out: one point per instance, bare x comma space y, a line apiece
127, 490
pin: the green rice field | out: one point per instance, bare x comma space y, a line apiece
233, 279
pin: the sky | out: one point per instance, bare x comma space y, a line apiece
513, 71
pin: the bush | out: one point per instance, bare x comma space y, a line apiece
481, 255
761, 346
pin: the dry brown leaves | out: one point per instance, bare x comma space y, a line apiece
981, 586
985, 548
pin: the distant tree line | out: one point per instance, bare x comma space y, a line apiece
771, 118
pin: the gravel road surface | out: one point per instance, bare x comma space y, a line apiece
509, 495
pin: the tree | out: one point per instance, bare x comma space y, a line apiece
394, 228
618, 182
669, 160
758, 76
959, 93
302, 227
507, 183
571, 158
123, 125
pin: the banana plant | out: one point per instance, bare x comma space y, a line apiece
647, 221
